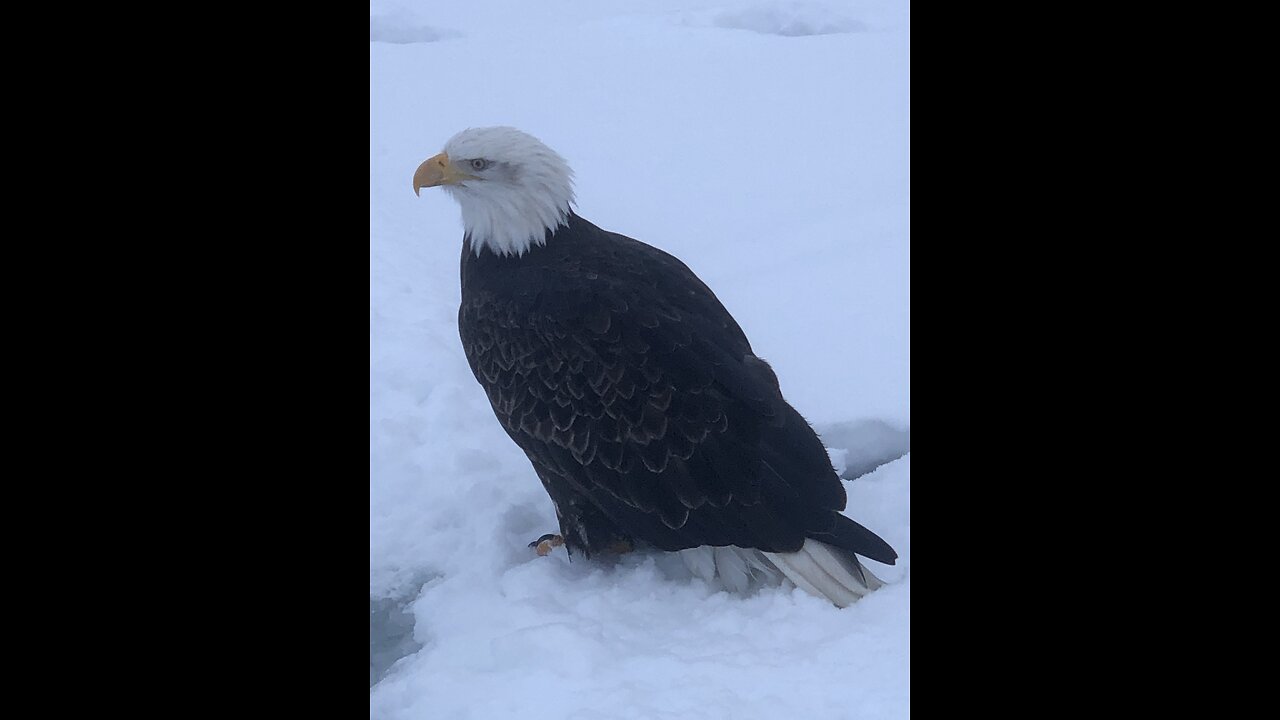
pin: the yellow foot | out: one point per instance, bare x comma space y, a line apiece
547, 543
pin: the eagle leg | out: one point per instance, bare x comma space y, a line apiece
620, 546
547, 543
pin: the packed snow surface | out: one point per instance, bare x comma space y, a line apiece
766, 144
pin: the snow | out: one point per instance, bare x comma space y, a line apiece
788, 19
766, 144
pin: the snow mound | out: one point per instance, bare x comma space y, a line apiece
788, 19
402, 29
859, 446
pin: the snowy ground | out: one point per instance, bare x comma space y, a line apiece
766, 145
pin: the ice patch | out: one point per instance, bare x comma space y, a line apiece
391, 625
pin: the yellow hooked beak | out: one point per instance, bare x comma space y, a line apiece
437, 171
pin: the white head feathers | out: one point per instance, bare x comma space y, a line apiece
511, 187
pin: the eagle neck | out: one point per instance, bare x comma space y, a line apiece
510, 223
569, 227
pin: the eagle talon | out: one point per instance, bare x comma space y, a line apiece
547, 543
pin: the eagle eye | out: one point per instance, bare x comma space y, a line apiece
479, 164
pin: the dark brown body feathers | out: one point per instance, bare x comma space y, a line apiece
638, 400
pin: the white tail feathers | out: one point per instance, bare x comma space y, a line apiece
733, 568
826, 572
817, 568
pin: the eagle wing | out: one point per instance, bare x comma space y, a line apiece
630, 382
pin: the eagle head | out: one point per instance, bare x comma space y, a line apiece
512, 188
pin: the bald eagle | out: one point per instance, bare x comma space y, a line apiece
633, 392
